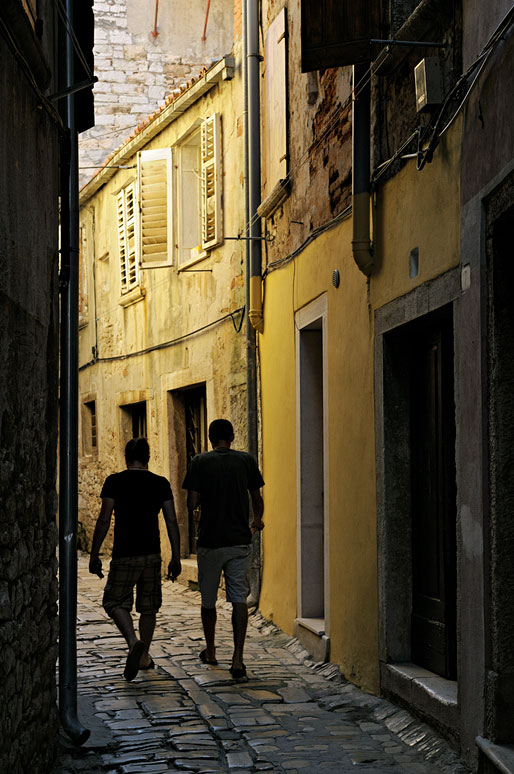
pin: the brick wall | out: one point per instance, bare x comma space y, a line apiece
137, 68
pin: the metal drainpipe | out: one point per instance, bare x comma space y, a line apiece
251, 344
254, 159
361, 243
68, 489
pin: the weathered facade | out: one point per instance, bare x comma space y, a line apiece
29, 148
145, 51
391, 470
162, 342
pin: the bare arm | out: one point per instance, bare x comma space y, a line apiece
258, 509
193, 499
170, 518
101, 529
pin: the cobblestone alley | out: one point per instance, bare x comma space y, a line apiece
291, 716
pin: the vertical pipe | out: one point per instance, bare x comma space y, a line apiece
361, 243
68, 489
254, 165
251, 343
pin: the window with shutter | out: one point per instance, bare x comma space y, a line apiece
188, 187
126, 222
336, 33
155, 208
275, 166
211, 182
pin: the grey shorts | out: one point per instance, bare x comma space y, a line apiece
234, 562
143, 572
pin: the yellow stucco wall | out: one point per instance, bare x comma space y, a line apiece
413, 210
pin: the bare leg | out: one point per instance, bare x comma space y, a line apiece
209, 617
239, 622
146, 630
123, 621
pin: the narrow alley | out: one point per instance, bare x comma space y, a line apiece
291, 715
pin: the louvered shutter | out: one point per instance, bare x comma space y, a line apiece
211, 182
126, 222
336, 33
155, 208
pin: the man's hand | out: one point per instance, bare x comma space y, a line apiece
95, 566
174, 569
257, 525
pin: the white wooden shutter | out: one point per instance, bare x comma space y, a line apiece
275, 150
211, 182
155, 208
126, 222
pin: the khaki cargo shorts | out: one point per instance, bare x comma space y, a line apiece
234, 562
143, 572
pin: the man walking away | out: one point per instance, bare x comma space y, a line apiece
136, 495
219, 481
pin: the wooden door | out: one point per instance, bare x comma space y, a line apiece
433, 505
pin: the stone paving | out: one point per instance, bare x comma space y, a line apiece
291, 715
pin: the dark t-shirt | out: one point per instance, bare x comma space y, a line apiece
223, 477
138, 497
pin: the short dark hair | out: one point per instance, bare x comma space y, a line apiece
221, 430
137, 449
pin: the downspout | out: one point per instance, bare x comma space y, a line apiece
68, 489
254, 163
251, 350
361, 243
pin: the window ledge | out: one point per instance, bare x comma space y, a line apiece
132, 296
192, 261
429, 694
501, 755
272, 202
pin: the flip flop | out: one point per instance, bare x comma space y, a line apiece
133, 659
238, 674
151, 665
205, 660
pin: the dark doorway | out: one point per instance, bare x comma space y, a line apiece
433, 496
196, 442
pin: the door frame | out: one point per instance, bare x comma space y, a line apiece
316, 311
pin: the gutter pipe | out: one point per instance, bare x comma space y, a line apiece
251, 344
254, 161
361, 198
68, 488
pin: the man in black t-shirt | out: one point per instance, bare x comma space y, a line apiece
219, 481
136, 496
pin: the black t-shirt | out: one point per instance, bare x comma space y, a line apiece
138, 497
223, 477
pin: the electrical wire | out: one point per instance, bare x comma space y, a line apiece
364, 81
172, 342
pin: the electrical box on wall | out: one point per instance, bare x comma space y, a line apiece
429, 83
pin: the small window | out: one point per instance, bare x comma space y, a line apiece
126, 222
133, 421
89, 428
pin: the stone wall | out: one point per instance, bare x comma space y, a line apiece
138, 63
28, 419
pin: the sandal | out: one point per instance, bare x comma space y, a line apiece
151, 665
205, 660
